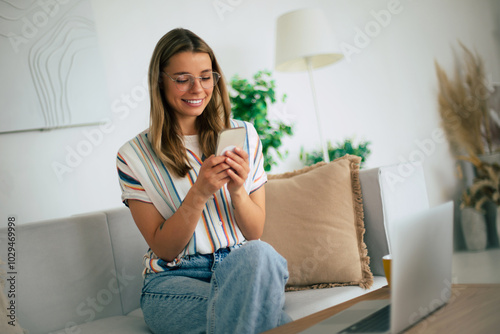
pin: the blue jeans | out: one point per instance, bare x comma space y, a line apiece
234, 290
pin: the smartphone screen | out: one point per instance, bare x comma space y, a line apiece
229, 139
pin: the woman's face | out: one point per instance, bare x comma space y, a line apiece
188, 104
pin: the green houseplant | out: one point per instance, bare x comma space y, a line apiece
346, 147
250, 102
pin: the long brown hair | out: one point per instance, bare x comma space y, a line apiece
165, 133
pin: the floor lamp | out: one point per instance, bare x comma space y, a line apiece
304, 41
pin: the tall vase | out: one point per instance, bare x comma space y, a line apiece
492, 223
474, 229
498, 226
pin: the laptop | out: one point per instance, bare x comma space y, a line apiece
422, 248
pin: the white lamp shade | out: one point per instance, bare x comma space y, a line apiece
304, 34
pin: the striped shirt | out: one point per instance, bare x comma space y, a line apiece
145, 178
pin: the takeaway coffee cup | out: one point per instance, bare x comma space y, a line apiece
386, 260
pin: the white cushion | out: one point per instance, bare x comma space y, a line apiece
111, 325
136, 313
299, 304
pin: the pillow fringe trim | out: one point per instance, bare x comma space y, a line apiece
322, 286
367, 275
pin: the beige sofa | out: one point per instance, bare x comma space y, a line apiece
82, 274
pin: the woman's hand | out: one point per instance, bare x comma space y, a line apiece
238, 173
213, 175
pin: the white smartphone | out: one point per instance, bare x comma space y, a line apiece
229, 139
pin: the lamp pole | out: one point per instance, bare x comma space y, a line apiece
316, 109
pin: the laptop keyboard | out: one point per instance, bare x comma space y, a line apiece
376, 322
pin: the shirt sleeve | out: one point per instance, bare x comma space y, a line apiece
129, 184
258, 176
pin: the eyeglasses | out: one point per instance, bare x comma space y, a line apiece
185, 82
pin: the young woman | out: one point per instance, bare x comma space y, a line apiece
201, 215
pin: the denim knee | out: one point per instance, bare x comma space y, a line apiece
254, 260
260, 253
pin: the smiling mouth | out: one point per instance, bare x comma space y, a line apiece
193, 102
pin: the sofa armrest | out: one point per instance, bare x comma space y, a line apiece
389, 193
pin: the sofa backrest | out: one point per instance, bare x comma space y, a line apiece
375, 236
389, 193
128, 247
65, 274
77, 269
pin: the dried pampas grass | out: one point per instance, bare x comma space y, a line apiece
463, 107
494, 113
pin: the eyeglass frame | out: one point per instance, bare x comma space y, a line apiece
192, 81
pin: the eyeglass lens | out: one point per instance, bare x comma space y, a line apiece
185, 82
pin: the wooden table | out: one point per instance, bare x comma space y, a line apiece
473, 308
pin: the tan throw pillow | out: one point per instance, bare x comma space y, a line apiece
314, 219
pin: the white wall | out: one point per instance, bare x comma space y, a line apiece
385, 94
